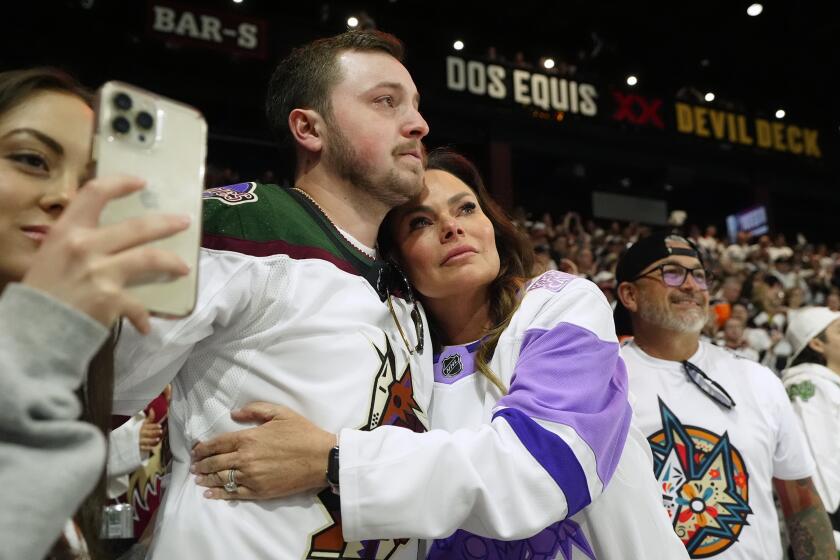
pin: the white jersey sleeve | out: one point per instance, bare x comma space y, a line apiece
551, 446
144, 365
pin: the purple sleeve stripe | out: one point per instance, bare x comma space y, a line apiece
555, 456
568, 375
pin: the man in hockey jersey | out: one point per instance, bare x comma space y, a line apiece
295, 306
722, 431
532, 455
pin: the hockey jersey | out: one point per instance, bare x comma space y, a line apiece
290, 312
546, 471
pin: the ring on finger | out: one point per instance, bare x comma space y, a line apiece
230, 485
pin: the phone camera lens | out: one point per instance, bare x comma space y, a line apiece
145, 120
121, 125
122, 101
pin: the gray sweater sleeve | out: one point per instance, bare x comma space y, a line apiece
49, 460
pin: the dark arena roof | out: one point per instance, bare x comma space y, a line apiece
726, 111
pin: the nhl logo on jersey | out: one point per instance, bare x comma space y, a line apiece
452, 365
241, 193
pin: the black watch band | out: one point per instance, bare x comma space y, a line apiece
332, 470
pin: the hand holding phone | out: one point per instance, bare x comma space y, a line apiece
163, 142
90, 268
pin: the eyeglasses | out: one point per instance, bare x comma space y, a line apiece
674, 275
395, 273
710, 387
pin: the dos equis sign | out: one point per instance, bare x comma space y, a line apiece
553, 97
524, 87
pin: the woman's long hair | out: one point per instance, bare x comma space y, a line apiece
16, 87
516, 257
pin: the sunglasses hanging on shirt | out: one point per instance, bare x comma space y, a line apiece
393, 277
711, 388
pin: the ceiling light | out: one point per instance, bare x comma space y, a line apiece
548, 63
709, 97
458, 45
755, 9
780, 114
632, 80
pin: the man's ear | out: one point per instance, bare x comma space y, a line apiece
306, 126
627, 294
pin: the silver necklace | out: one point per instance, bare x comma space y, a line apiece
332, 223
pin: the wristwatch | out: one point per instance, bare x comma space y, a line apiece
332, 470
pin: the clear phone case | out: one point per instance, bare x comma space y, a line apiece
143, 134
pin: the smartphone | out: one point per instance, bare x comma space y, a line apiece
146, 135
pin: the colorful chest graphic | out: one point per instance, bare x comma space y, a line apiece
704, 484
392, 404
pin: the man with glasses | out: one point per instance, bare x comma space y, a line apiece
721, 429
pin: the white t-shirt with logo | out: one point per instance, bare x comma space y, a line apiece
715, 466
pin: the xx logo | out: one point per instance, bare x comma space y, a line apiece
636, 109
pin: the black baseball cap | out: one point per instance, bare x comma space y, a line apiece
638, 257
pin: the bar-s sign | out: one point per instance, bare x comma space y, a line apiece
198, 27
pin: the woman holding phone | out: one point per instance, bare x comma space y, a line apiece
62, 287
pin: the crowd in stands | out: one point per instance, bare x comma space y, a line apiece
756, 281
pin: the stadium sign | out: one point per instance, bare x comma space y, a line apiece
199, 27
550, 97
637, 110
527, 88
738, 129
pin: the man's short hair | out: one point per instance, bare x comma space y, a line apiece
305, 78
